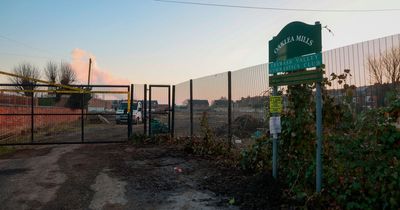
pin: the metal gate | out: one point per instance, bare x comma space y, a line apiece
159, 109
46, 114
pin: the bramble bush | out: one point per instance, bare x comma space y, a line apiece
360, 152
257, 157
207, 144
362, 165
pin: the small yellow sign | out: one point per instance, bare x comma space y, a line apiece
275, 104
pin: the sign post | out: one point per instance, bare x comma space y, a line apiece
319, 138
275, 137
296, 48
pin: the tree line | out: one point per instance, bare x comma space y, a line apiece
61, 73
386, 67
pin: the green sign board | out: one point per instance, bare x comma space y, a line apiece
275, 104
295, 78
294, 40
296, 63
296, 48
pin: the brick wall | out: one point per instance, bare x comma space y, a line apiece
24, 100
16, 100
15, 124
95, 102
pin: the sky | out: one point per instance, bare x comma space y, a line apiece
146, 41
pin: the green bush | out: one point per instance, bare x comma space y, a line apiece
257, 158
362, 166
360, 152
207, 143
47, 101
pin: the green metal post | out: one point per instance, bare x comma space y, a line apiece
230, 108
319, 138
275, 144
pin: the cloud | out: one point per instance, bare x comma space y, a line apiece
80, 63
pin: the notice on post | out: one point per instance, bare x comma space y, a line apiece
275, 125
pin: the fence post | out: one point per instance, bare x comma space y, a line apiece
149, 110
82, 119
173, 112
169, 108
32, 115
229, 108
319, 138
130, 128
191, 108
275, 144
144, 107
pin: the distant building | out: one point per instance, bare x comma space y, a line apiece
366, 97
200, 104
252, 102
99, 105
223, 102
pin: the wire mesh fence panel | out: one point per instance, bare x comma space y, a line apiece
372, 72
210, 104
138, 112
57, 128
182, 109
62, 115
159, 108
15, 114
56, 117
249, 101
106, 114
370, 83
15, 129
12, 101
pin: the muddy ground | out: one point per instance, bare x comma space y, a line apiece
125, 176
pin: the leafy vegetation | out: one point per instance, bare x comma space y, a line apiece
207, 144
360, 151
257, 157
78, 100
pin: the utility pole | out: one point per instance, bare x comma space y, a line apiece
90, 68
88, 86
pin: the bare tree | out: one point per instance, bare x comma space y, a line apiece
386, 68
51, 71
29, 72
391, 63
67, 75
375, 68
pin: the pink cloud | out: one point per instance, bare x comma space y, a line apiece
80, 63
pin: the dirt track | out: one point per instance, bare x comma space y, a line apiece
106, 176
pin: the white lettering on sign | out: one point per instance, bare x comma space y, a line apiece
295, 63
289, 39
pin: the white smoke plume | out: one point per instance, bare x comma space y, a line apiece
80, 63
